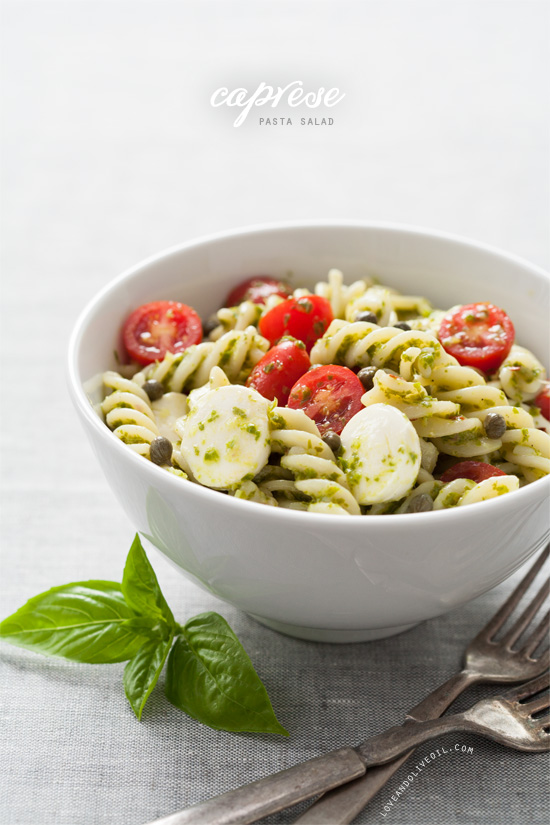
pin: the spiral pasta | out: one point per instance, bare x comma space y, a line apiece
236, 353
128, 413
323, 481
227, 436
250, 491
457, 493
464, 491
411, 360
360, 344
521, 375
240, 317
529, 450
338, 294
366, 296
312, 463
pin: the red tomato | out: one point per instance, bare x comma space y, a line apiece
477, 335
475, 470
154, 329
257, 289
329, 395
279, 369
543, 401
305, 318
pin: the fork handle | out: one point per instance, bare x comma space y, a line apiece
437, 702
273, 793
397, 740
341, 805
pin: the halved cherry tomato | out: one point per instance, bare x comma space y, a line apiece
274, 375
154, 329
329, 395
542, 401
475, 470
305, 318
477, 335
257, 289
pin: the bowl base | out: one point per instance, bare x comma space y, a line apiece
319, 634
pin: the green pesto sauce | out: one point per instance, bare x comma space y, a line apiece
228, 352
134, 439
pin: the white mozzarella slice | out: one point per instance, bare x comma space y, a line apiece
225, 438
381, 454
167, 410
218, 378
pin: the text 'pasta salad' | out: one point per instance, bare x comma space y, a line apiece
352, 400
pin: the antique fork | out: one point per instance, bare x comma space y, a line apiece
518, 719
485, 660
514, 719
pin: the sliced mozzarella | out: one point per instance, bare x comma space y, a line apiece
381, 454
225, 438
167, 410
218, 378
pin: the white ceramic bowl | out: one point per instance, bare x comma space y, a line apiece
317, 576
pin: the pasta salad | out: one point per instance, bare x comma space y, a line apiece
348, 399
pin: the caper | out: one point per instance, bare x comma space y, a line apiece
402, 325
366, 377
160, 450
210, 325
367, 317
420, 504
495, 425
154, 389
333, 441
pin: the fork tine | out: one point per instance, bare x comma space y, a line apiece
540, 703
494, 624
523, 692
537, 636
527, 616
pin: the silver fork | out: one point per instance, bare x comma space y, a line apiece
485, 660
513, 719
518, 719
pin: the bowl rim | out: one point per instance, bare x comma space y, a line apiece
82, 403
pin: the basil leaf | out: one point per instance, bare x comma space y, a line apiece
142, 672
141, 588
151, 627
211, 678
83, 621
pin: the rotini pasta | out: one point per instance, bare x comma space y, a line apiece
128, 413
236, 353
405, 409
240, 317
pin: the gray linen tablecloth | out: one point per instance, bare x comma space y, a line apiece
112, 152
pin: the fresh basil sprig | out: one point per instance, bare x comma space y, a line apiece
209, 675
